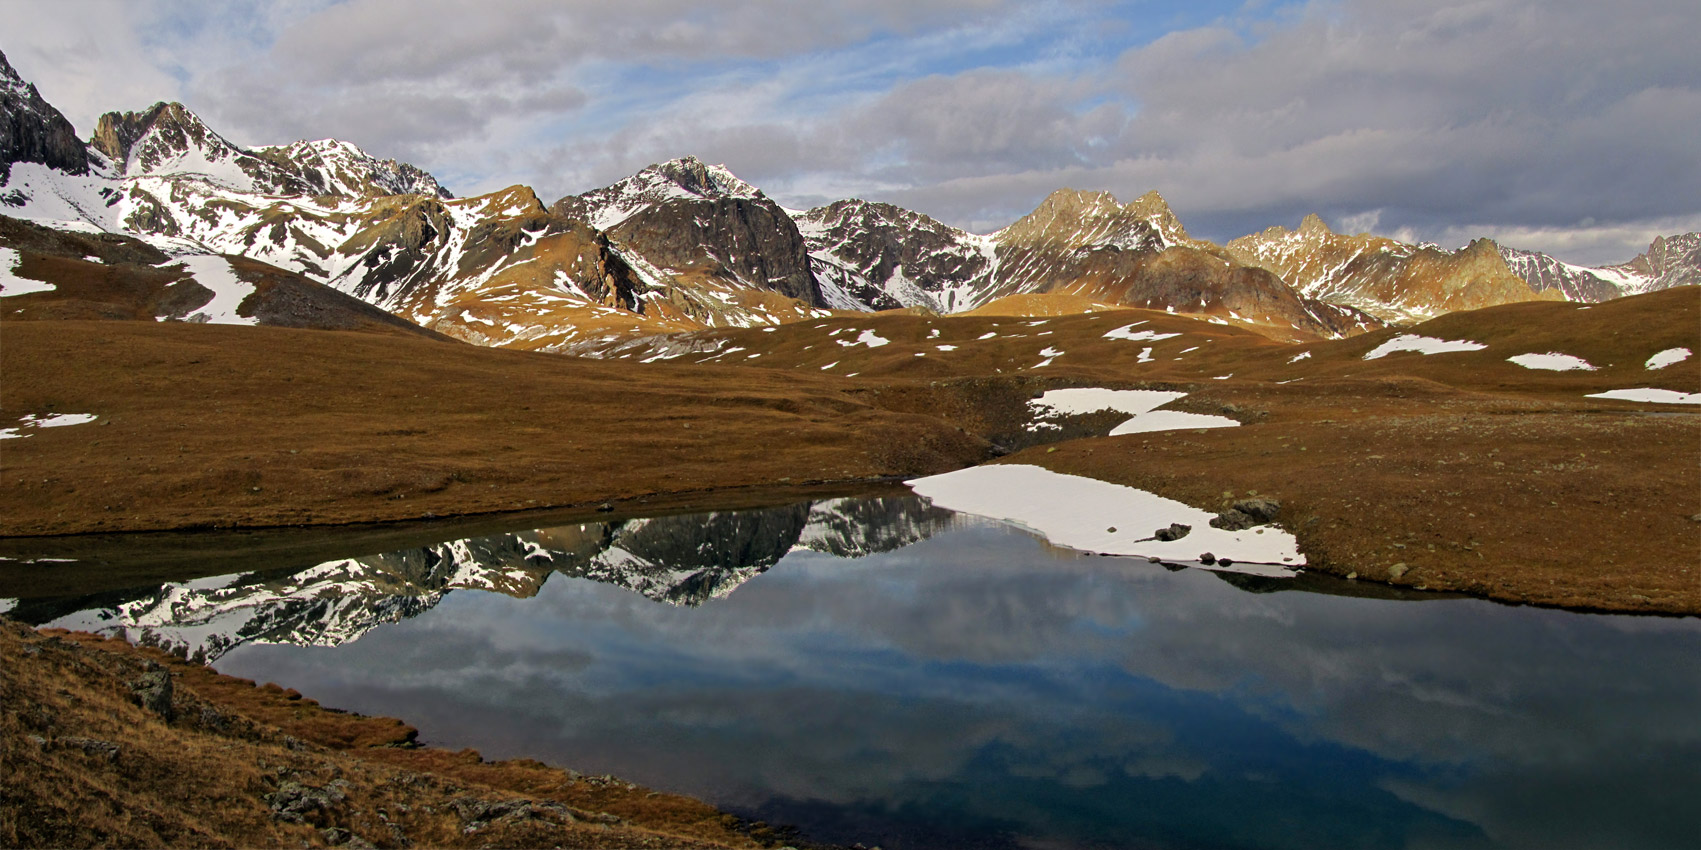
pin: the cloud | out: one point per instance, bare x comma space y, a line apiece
1506, 116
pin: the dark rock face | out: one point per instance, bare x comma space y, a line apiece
31, 130
748, 241
888, 257
1543, 273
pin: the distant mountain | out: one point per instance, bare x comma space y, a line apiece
1668, 262
684, 245
1394, 281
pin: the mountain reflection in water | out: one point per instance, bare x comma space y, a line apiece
962, 684
682, 560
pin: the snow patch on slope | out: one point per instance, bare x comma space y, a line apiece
1421, 345
1552, 362
229, 291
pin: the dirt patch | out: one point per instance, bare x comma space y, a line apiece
212, 426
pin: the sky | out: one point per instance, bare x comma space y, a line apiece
1567, 126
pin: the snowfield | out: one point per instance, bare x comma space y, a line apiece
1096, 516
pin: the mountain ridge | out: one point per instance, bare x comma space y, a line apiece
686, 245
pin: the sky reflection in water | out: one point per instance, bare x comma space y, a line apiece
978, 689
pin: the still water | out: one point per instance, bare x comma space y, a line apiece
885, 672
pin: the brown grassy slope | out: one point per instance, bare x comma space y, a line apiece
83, 764
107, 276
215, 425
1469, 472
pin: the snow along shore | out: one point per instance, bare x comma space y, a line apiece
1105, 518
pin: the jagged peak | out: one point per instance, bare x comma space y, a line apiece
119, 134
700, 178
1313, 223
1153, 208
9, 77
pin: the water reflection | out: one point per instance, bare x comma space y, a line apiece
978, 689
682, 560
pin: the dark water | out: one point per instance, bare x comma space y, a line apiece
882, 672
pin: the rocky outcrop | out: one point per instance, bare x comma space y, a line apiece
700, 224
1393, 281
1670, 261
885, 257
31, 130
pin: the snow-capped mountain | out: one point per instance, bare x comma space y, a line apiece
679, 560
883, 257
684, 245
1394, 281
1668, 262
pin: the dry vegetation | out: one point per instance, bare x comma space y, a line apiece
95, 751
1448, 472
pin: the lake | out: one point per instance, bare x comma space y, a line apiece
882, 671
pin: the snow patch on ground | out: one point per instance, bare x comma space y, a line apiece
868, 338
1552, 362
1421, 345
50, 420
228, 290
1658, 361
1080, 400
1651, 394
1128, 332
1096, 516
1171, 420
11, 284
1298, 357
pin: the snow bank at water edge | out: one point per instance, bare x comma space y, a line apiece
1098, 516
1658, 396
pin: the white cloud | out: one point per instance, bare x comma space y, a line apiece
1513, 118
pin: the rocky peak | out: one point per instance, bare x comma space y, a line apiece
334, 167
1313, 225
1071, 219
1153, 208
704, 180
31, 130
1669, 261
165, 136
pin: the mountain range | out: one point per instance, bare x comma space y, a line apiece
679, 246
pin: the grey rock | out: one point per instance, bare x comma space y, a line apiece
1263, 510
1176, 531
99, 749
1233, 520
294, 802
153, 692
1207, 559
